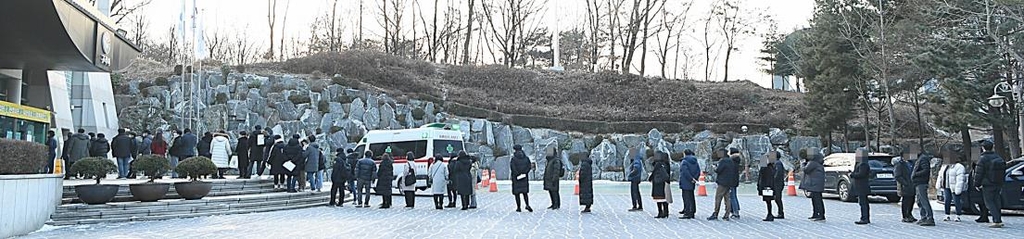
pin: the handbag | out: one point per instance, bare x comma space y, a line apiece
767, 192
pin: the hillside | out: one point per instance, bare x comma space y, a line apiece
583, 96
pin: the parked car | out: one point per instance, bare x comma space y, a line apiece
1012, 189
838, 167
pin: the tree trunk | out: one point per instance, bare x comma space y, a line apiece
920, 123
965, 138
469, 34
997, 135
728, 54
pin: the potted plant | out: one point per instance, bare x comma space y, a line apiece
153, 166
96, 168
31, 193
193, 168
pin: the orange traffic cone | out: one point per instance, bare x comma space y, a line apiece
494, 183
791, 185
701, 189
58, 166
576, 190
486, 178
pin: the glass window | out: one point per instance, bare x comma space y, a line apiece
399, 149
441, 147
880, 161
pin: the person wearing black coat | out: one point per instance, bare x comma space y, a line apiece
902, 170
586, 181
293, 153
257, 151
814, 182
659, 183
99, 147
861, 177
453, 195
780, 175
385, 176
242, 149
204, 145
922, 174
767, 185
728, 178
553, 171
340, 175
989, 177
463, 178
520, 168
122, 147
276, 158
351, 160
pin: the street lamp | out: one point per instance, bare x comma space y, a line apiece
996, 101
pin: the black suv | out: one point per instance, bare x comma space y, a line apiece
838, 167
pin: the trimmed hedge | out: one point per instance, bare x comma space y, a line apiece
195, 167
153, 166
94, 168
22, 157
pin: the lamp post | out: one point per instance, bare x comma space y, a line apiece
997, 101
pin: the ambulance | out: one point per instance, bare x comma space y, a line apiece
423, 142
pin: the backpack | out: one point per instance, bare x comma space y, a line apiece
343, 169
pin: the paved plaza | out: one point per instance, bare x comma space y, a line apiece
496, 218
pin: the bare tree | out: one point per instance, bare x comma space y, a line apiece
594, 16
284, 23
614, 21
511, 22
122, 9
736, 24
215, 43
469, 32
672, 25
392, 12
245, 51
139, 27
709, 42
634, 34
271, 20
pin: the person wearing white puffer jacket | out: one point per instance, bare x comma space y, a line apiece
952, 182
220, 153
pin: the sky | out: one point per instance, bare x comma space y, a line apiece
250, 17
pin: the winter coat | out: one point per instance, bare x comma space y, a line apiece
953, 177
189, 142
409, 175
158, 147
99, 148
220, 151
520, 165
122, 146
463, 180
991, 171
385, 176
293, 152
781, 174
256, 151
352, 160
51, 149
340, 172
636, 169
766, 180
901, 172
659, 177
814, 175
861, 177
366, 169
242, 149
474, 173
277, 158
689, 173
204, 146
146, 146
438, 174
553, 171
78, 147
728, 174
586, 181
312, 157
922, 170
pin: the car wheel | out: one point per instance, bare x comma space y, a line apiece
892, 198
844, 191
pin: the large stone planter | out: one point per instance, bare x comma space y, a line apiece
27, 202
193, 190
96, 193
149, 192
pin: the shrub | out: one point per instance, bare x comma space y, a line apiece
323, 106
162, 81
22, 157
144, 84
418, 114
225, 70
299, 99
341, 80
195, 167
153, 166
94, 167
255, 85
335, 129
240, 68
577, 157
221, 98
178, 69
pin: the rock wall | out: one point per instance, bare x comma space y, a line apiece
340, 116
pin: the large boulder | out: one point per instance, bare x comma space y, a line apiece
327, 121
606, 158
428, 113
336, 108
502, 139
286, 110
337, 139
521, 136
356, 110
501, 167
464, 127
478, 125
372, 117
387, 116
778, 136
354, 129
654, 137
703, 135
797, 143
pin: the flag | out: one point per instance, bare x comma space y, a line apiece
197, 32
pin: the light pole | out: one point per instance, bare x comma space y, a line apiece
997, 101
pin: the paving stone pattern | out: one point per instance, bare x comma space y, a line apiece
496, 219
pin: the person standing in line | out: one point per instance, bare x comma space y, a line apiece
921, 176
902, 170
147, 142
463, 178
452, 194
77, 147
407, 183
814, 182
313, 156
220, 153
952, 182
259, 142
727, 180
660, 183
781, 174
553, 172
736, 157
340, 175
352, 159
276, 158
520, 169
189, 143
636, 172
293, 153
204, 145
438, 175
51, 150
586, 181
474, 175
861, 177
366, 172
766, 185
989, 179
242, 149
689, 173
100, 146
159, 145
176, 151
385, 177
122, 147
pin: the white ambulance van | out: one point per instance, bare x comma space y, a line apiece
423, 142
